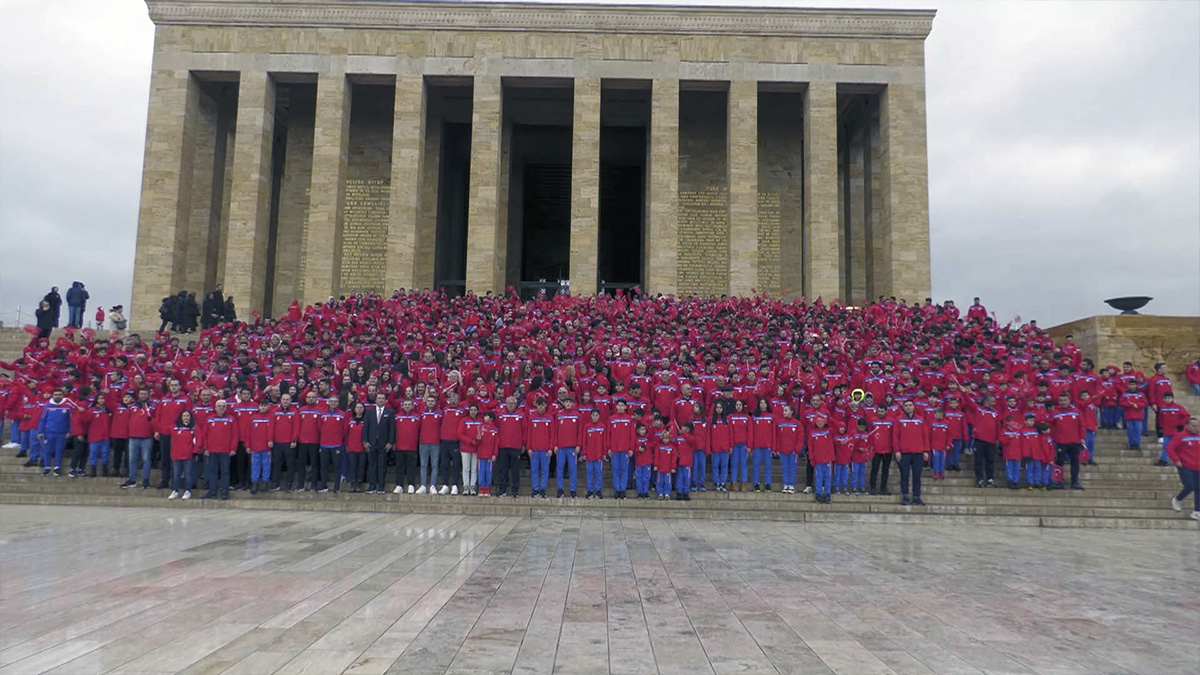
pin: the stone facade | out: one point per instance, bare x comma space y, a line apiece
746, 200
1141, 338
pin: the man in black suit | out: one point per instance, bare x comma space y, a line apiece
379, 437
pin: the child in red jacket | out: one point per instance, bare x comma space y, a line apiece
1010, 447
664, 463
183, 447
685, 447
1171, 418
821, 454
593, 451
98, 426
860, 455
489, 446
843, 448
643, 457
261, 428
1134, 403
939, 442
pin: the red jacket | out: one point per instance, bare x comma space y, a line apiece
99, 424
489, 444
1185, 450
882, 436
685, 448
939, 435
1011, 443
219, 435
408, 431
568, 429
450, 423
470, 431
262, 432
862, 450
354, 436
820, 446
287, 425
120, 423
141, 421
621, 434
1134, 404
910, 434
333, 429
1171, 418
843, 448
664, 457
310, 425
763, 434
431, 428
720, 437
1066, 426
539, 431
985, 424
594, 446
183, 443
787, 436
739, 428
168, 410
643, 454
1031, 444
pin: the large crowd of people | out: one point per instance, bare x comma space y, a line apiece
421, 393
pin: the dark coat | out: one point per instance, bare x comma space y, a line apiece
77, 295
212, 309
378, 432
45, 319
229, 314
55, 301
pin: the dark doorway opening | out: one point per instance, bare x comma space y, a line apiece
624, 117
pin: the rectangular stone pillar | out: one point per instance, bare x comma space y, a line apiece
426, 235
856, 234
822, 268
903, 267
486, 242
742, 163
245, 271
585, 187
160, 262
662, 190
331, 136
408, 135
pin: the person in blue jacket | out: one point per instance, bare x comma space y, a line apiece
53, 428
77, 297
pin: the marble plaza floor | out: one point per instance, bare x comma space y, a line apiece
106, 590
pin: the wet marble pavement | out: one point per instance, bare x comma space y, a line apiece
94, 590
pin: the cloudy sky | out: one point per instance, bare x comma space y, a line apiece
1064, 151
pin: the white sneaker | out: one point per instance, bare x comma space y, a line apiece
807, 489
11, 446
187, 494
410, 488
453, 490
1195, 515
421, 490
399, 490
1176, 504
174, 494
445, 490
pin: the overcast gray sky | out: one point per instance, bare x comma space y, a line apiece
1064, 151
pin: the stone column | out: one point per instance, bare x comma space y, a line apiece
408, 135
856, 234
822, 268
245, 272
160, 262
486, 242
742, 163
585, 187
331, 135
903, 267
662, 190
426, 235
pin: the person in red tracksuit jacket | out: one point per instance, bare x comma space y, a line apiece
510, 422
720, 442
1067, 429
568, 433
489, 445
141, 435
334, 426
356, 451
685, 455
593, 449
821, 454
788, 441
408, 435
99, 428
119, 434
539, 439
910, 438
762, 440
1184, 453
619, 442
259, 445
166, 413
470, 433
449, 456
286, 440
643, 459
665, 457
242, 409
183, 449
429, 445
985, 427
881, 423
308, 440
219, 439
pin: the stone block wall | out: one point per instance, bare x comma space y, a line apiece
703, 261
1142, 339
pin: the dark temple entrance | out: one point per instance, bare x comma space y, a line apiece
624, 118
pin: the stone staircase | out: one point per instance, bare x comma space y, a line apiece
1124, 491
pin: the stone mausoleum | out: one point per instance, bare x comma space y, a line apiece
309, 148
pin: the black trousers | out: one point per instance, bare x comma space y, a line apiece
307, 456
507, 476
164, 460
120, 455
449, 464
407, 464
911, 465
1069, 452
79, 452
376, 467
881, 465
290, 471
985, 460
329, 466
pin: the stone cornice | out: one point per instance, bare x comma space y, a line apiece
557, 18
